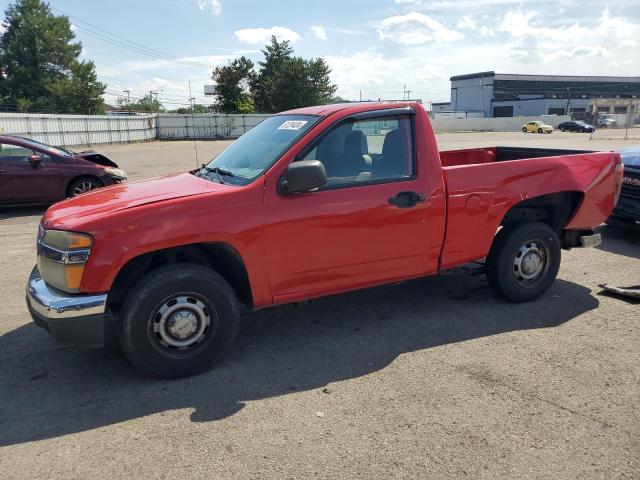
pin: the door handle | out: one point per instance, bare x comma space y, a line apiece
407, 199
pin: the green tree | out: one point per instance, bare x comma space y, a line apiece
147, 104
232, 86
266, 83
285, 81
39, 66
197, 108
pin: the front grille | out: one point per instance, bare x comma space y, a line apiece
631, 188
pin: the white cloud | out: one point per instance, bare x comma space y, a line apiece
263, 35
214, 5
416, 28
467, 22
535, 39
486, 31
412, 2
372, 71
319, 32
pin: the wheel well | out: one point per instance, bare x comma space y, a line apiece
78, 177
554, 209
218, 256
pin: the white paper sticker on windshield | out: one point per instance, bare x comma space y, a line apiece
292, 125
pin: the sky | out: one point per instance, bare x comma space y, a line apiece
375, 48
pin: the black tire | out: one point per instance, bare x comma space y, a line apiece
82, 185
204, 295
524, 129
516, 248
540, 130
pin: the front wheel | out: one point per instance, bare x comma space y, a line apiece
178, 320
523, 261
540, 130
82, 185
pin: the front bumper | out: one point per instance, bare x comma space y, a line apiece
69, 318
108, 180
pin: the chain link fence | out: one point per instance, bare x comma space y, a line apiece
617, 121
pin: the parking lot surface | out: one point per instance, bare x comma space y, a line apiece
433, 378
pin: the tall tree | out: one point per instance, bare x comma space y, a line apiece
267, 81
232, 86
39, 65
147, 104
285, 81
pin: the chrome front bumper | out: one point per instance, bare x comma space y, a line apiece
70, 318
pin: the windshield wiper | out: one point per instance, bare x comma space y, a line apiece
220, 172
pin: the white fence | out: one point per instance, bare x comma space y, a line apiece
67, 130
175, 127
498, 124
70, 130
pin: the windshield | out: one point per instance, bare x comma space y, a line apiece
255, 151
48, 148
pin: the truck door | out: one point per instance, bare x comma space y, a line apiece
367, 225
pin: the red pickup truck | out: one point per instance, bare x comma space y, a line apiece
311, 202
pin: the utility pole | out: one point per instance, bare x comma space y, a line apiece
566, 110
404, 91
629, 122
128, 101
151, 93
408, 94
360, 94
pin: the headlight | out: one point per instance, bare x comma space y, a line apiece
116, 172
61, 258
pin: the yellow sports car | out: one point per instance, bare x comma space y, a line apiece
537, 127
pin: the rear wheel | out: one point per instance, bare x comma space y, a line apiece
524, 129
82, 185
178, 320
523, 261
540, 130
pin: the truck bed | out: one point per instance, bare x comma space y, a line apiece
472, 156
484, 183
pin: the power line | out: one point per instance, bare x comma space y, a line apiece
118, 40
139, 72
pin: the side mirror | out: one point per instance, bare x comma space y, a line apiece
303, 176
35, 160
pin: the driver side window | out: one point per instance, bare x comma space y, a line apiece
14, 153
367, 151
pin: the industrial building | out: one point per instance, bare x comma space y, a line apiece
491, 94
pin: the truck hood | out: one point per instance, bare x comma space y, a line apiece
127, 195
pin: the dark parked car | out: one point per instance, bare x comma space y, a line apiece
576, 126
627, 210
35, 173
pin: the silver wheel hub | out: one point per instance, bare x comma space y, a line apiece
530, 262
181, 322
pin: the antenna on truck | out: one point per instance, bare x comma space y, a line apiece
192, 102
